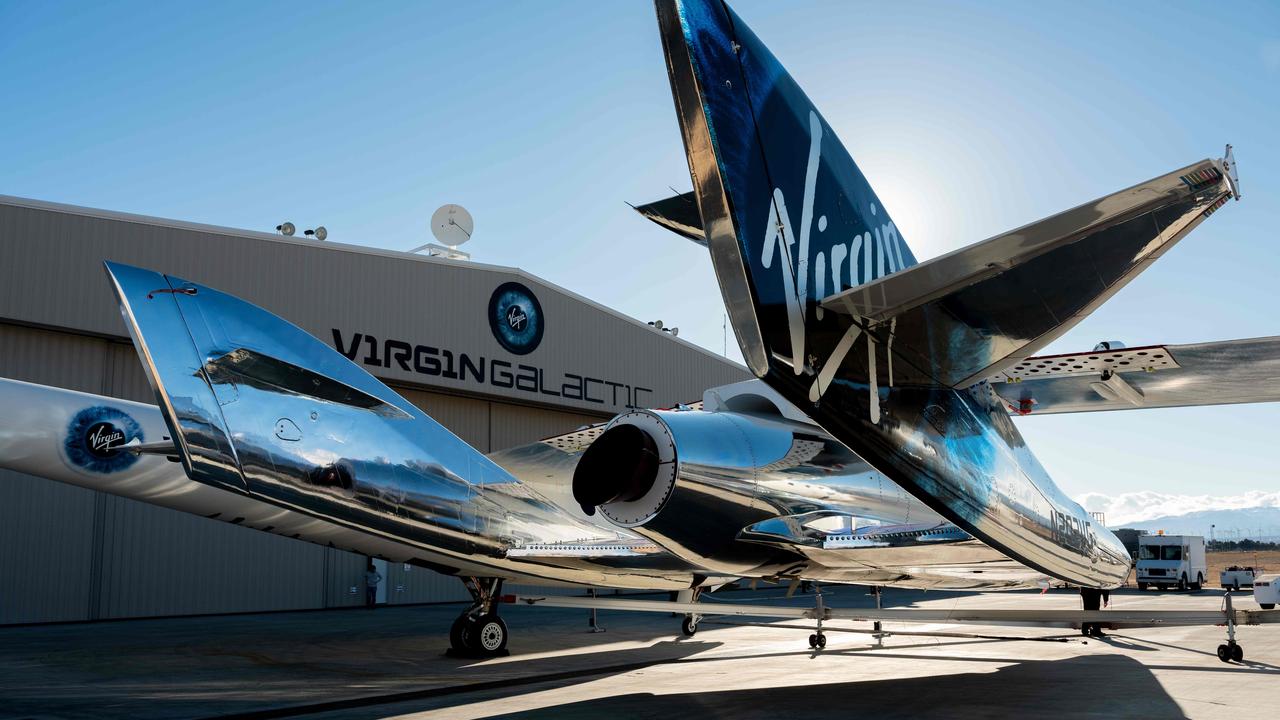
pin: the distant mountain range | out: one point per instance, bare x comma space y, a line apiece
1254, 515
1255, 523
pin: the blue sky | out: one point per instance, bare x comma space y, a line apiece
544, 119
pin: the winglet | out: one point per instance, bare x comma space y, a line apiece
679, 214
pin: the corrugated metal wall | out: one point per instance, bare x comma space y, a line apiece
68, 553
47, 550
49, 532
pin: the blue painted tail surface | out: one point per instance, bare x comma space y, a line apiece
774, 180
790, 220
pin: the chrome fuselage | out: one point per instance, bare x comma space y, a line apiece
527, 526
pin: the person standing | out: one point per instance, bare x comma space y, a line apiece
371, 579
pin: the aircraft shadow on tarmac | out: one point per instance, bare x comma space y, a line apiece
1109, 686
358, 662
280, 696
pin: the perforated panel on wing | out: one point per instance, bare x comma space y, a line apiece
1149, 359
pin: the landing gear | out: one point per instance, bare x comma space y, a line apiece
1231, 651
689, 625
479, 632
876, 628
818, 640
489, 634
1092, 599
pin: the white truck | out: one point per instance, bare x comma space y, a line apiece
1171, 561
1266, 591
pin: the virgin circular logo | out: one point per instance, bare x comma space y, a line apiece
515, 317
95, 436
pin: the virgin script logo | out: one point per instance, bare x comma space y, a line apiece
103, 438
516, 318
870, 255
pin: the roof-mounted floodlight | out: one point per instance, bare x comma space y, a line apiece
286, 229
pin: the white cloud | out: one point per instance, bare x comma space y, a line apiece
1149, 505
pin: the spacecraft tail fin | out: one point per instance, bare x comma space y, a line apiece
257, 405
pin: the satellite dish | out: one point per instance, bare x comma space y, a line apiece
452, 225
321, 233
286, 229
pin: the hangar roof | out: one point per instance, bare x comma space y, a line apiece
373, 302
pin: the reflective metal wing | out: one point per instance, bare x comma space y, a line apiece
1216, 373
968, 314
258, 406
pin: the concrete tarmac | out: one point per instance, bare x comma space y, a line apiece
389, 663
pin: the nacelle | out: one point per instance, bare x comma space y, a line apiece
691, 481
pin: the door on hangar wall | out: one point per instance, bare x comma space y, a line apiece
381, 567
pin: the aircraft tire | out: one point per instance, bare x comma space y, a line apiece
488, 635
458, 634
688, 626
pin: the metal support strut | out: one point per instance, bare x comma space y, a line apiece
484, 594
876, 628
592, 621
